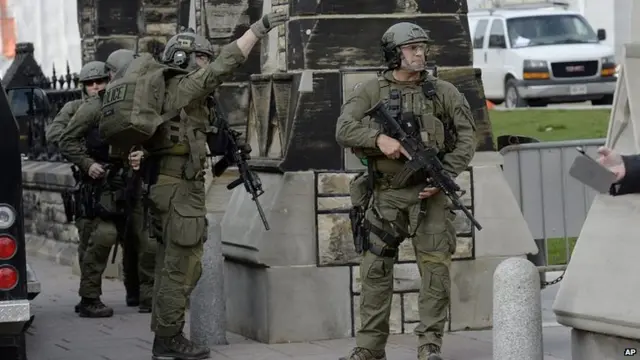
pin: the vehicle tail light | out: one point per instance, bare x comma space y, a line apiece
8, 247
7, 216
8, 277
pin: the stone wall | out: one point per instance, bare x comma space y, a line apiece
335, 247
108, 25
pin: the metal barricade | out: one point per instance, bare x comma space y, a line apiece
553, 203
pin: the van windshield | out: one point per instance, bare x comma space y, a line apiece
549, 30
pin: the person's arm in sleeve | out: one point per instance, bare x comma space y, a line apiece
351, 131
630, 183
458, 109
59, 123
72, 141
203, 82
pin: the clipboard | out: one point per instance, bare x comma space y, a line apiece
589, 172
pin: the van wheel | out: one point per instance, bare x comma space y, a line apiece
605, 100
16, 352
512, 98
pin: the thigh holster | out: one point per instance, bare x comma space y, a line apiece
392, 242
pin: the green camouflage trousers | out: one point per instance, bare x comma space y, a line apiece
104, 236
179, 224
85, 228
434, 243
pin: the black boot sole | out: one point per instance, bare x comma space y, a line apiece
181, 357
95, 316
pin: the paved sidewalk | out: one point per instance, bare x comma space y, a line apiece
59, 334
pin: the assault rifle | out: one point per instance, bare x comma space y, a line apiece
422, 157
235, 154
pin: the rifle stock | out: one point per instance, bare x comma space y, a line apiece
422, 157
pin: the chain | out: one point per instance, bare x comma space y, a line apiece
554, 281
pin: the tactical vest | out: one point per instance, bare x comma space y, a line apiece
421, 102
181, 136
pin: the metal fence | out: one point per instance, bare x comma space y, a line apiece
553, 203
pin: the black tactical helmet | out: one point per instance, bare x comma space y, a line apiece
119, 59
93, 70
181, 49
400, 34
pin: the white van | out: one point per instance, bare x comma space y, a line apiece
538, 56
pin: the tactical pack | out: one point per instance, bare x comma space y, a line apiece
132, 102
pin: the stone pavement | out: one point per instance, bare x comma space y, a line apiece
59, 334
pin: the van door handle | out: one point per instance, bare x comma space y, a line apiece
485, 57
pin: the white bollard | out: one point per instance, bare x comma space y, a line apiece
517, 313
208, 315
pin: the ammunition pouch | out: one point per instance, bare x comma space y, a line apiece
218, 143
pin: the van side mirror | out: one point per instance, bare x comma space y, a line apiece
28, 101
602, 34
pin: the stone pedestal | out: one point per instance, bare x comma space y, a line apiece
309, 251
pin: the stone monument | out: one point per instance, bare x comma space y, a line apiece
299, 281
109, 25
598, 296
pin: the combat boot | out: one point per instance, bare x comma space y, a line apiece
132, 300
429, 352
94, 308
359, 353
145, 307
177, 348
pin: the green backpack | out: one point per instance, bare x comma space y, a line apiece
132, 102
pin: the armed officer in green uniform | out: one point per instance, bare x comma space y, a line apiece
177, 153
105, 203
139, 252
93, 78
403, 204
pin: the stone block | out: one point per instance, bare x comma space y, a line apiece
596, 294
471, 293
395, 320
362, 7
117, 17
587, 345
287, 202
410, 308
284, 302
334, 183
335, 241
310, 47
152, 44
505, 231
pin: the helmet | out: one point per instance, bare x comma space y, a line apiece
119, 59
400, 34
181, 49
93, 70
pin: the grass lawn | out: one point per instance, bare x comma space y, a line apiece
557, 250
551, 125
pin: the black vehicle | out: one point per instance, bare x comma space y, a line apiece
18, 284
